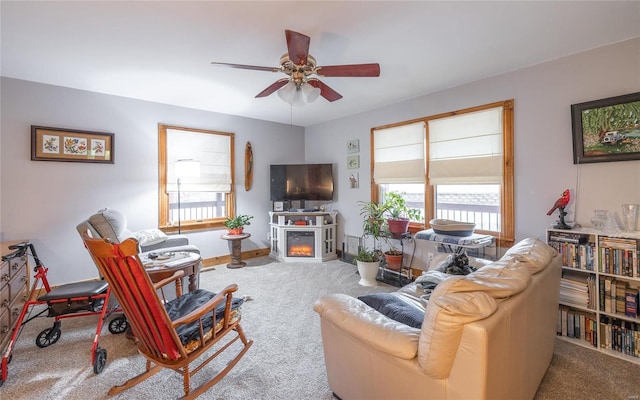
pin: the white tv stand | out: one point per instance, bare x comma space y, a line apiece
317, 229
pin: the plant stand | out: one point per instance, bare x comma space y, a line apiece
398, 275
235, 245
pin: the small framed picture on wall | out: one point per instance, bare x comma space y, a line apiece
353, 146
353, 162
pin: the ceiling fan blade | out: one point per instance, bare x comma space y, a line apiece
297, 47
362, 70
325, 91
273, 87
252, 67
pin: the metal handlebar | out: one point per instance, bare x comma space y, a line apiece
21, 250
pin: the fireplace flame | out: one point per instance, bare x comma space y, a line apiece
301, 250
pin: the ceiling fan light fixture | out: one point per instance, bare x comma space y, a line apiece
287, 92
294, 95
310, 93
298, 100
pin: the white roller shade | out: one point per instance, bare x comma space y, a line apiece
212, 151
466, 148
399, 154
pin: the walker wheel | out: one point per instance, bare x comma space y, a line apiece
100, 361
118, 325
48, 337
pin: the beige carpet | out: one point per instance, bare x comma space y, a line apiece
286, 360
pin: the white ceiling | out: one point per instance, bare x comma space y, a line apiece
161, 51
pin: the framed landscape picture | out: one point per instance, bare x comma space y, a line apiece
606, 129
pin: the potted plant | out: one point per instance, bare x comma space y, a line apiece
368, 262
236, 225
375, 224
373, 216
398, 214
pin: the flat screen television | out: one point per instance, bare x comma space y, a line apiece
301, 182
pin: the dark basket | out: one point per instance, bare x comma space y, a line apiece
66, 307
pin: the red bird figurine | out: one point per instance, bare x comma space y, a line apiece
561, 202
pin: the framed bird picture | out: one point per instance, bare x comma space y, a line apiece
606, 129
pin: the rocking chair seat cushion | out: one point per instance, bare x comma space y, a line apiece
188, 302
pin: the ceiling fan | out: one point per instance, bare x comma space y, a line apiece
300, 67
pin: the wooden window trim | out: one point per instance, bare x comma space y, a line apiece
506, 236
163, 195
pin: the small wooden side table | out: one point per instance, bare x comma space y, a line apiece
235, 246
162, 268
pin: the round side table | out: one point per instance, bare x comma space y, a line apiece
235, 246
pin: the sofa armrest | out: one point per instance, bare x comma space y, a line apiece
368, 325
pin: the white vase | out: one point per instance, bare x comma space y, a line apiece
629, 214
368, 272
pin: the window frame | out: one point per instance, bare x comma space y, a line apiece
506, 236
163, 195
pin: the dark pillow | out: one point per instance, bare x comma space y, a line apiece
396, 307
181, 306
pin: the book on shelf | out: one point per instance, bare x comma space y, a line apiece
621, 290
631, 302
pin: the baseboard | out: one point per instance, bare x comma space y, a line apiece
226, 259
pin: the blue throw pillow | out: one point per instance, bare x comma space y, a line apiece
396, 307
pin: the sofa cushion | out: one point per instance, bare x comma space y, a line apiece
533, 253
500, 279
110, 224
442, 328
397, 306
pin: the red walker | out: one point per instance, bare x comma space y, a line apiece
65, 301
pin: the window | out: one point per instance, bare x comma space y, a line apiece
195, 178
399, 162
467, 167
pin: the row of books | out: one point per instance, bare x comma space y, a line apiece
621, 336
575, 249
615, 334
619, 297
623, 262
577, 325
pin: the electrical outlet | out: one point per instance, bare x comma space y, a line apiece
269, 236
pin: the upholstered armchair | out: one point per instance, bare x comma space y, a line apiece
112, 224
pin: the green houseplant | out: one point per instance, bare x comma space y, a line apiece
375, 224
236, 225
399, 214
368, 262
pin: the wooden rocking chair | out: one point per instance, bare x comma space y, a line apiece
170, 335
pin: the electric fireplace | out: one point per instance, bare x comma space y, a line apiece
300, 236
301, 244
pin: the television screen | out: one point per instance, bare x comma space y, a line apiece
301, 182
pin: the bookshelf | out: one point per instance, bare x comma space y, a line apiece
599, 302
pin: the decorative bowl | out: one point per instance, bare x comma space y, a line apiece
451, 227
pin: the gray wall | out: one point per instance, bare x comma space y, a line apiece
544, 165
43, 201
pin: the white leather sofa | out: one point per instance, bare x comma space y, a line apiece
487, 335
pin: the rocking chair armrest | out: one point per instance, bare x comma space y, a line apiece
176, 275
198, 313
